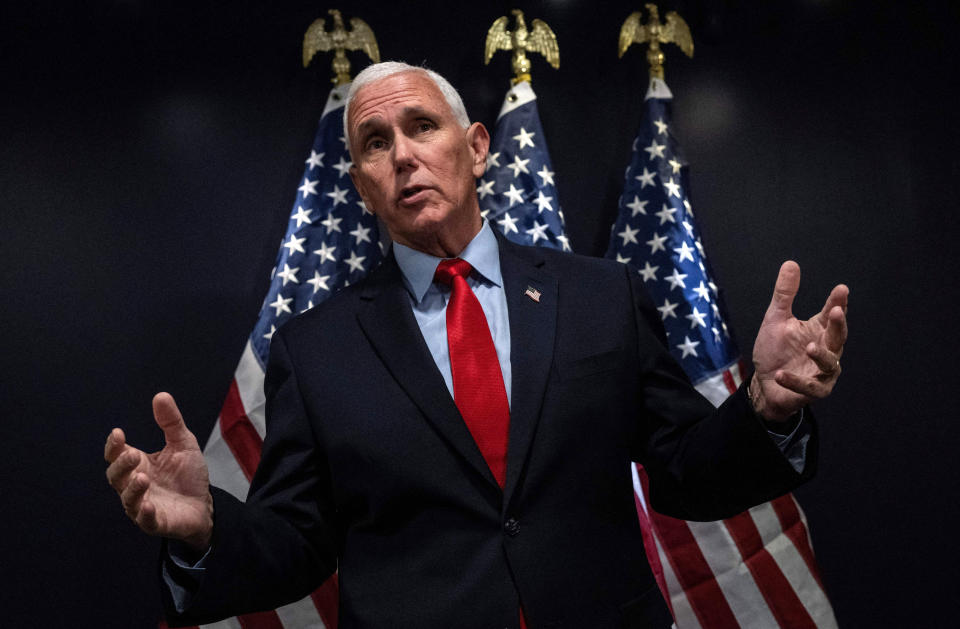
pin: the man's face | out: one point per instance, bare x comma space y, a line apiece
414, 165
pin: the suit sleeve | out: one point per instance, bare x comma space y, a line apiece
704, 463
279, 545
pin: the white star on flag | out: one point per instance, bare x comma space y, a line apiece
543, 202
666, 214
687, 347
319, 281
302, 216
697, 318
645, 179
685, 251
282, 304
655, 150
326, 252
515, 196
308, 187
331, 223
485, 188
355, 261
673, 188
702, 291
637, 206
294, 244
656, 243
537, 231
519, 166
524, 138
288, 274
546, 175
648, 272
509, 224
343, 167
667, 309
361, 233
339, 196
628, 235
315, 160
676, 279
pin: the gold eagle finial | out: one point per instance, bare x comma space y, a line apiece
360, 37
521, 41
675, 31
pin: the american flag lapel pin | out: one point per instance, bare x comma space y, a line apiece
532, 293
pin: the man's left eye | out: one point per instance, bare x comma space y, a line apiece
424, 126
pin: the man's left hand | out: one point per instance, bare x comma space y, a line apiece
796, 361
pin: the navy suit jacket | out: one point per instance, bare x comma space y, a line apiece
368, 466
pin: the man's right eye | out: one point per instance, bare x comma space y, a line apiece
376, 144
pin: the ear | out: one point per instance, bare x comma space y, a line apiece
357, 178
479, 142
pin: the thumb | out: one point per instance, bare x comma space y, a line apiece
168, 417
788, 283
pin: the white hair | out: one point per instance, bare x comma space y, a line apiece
378, 71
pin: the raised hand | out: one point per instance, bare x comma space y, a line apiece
165, 493
796, 361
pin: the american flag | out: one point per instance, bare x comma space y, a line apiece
517, 192
331, 242
757, 569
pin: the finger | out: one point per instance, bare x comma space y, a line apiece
837, 297
827, 362
147, 517
171, 422
132, 494
836, 332
118, 473
804, 385
116, 442
785, 289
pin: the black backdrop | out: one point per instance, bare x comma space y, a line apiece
150, 153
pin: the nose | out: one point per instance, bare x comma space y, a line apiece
404, 157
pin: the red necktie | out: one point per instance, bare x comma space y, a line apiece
478, 389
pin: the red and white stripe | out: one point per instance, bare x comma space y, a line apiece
232, 453
755, 570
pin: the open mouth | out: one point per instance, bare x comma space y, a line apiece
411, 193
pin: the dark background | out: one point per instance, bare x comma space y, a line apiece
150, 153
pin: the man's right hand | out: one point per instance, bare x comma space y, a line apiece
166, 493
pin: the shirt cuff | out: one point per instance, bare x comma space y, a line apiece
793, 445
180, 574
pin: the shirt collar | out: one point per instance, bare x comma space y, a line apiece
418, 267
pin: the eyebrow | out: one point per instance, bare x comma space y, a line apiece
418, 112
370, 123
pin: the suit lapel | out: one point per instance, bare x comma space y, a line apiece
533, 322
387, 319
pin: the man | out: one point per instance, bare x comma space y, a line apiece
446, 496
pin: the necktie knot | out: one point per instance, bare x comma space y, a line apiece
449, 269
